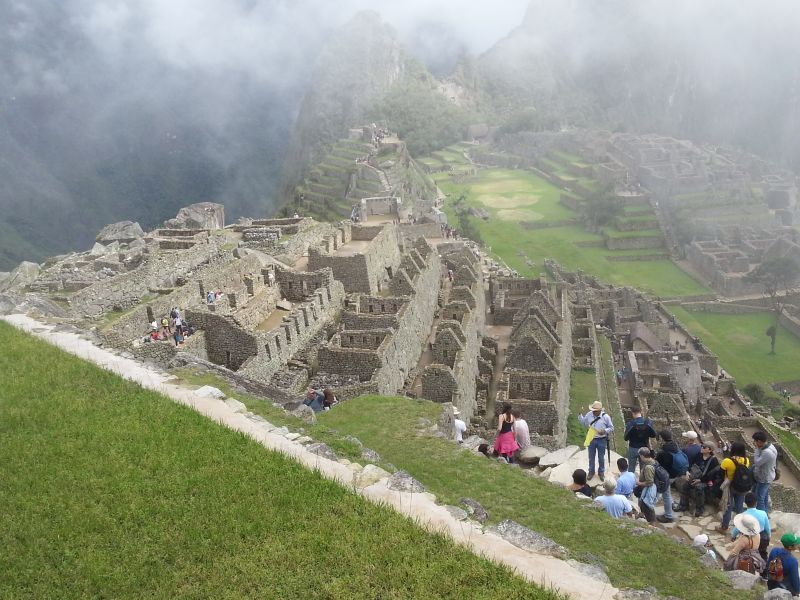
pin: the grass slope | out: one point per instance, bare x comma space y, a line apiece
391, 427
742, 346
112, 491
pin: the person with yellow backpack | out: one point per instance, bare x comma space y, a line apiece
737, 483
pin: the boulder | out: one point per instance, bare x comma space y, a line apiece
742, 580
404, 482
777, 594
25, 274
283, 305
305, 413
645, 594
553, 459
580, 460
474, 509
236, 405
457, 513
208, 391
370, 455
203, 215
124, 232
785, 520
593, 571
322, 450
101, 250
353, 440
368, 475
472, 442
527, 539
531, 455
690, 530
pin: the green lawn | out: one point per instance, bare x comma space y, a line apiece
508, 239
742, 346
110, 491
582, 392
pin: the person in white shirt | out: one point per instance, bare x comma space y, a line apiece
459, 427
521, 430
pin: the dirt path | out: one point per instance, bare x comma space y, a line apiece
422, 507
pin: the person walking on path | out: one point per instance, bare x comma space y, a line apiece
638, 433
647, 485
764, 462
782, 566
738, 481
600, 427
505, 444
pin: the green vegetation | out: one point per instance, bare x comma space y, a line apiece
608, 393
113, 491
582, 392
518, 200
420, 114
742, 345
387, 424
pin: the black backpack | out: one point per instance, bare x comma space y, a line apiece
661, 479
743, 480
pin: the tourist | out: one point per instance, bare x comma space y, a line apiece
579, 485
154, 325
614, 504
484, 449
178, 338
692, 447
638, 433
210, 298
738, 481
329, 400
701, 540
675, 462
744, 554
764, 463
647, 485
600, 426
626, 482
782, 566
701, 481
506, 443
763, 521
154, 336
166, 329
459, 427
314, 400
178, 324
523, 433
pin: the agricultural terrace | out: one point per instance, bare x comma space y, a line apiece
519, 202
113, 491
741, 343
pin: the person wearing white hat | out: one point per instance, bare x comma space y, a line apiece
702, 541
744, 554
459, 427
692, 447
600, 427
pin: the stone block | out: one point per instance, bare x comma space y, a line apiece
322, 450
404, 482
532, 454
474, 509
369, 475
208, 391
236, 405
553, 459
741, 580
525, 538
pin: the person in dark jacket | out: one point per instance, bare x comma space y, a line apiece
664, 458
638, 433
788, 564
700, 481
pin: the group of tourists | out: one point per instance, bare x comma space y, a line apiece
697, 475
448, 232
171, 326
513, 434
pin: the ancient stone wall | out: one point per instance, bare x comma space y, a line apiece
634, 243
297, 285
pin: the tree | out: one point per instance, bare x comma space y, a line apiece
776, 275
601, 208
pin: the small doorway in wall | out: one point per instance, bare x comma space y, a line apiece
389, 272
228, 358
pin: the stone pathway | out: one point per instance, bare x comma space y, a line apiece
370, 481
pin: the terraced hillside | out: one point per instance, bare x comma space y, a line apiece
356, 169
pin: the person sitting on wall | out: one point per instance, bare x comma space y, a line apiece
328, 399
314, 400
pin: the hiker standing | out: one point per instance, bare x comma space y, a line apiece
782, 566
600, 426
764, 462
646, 486
638, 433
738, 481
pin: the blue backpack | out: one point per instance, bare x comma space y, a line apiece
680, 464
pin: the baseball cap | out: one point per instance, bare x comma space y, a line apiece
790, 539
